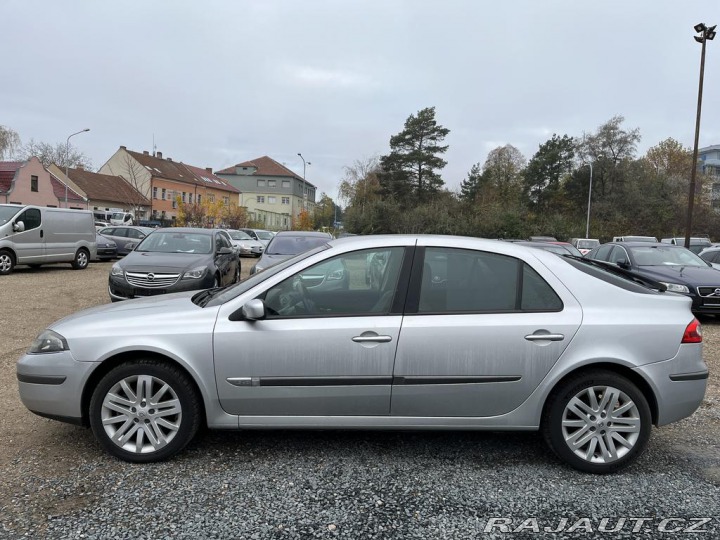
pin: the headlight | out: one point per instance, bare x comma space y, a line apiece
195, 273
116, 270
48, 342
674, 287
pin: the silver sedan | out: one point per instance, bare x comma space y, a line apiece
452, 333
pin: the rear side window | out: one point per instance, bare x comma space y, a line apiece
30, 218
602, 253
458, 280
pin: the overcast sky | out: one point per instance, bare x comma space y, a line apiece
221, 82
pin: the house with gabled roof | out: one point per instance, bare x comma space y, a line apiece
104, 192
165, 181
272, 193
29, 182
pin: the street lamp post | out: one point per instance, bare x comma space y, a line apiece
67, 160
705, 35
305, 195
587, 223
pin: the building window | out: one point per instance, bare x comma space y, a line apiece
174, 203
211, 198
272, 200
199, 199
226, 200
190, 198
272, 183
184, 196
261, 183
286, 200
154, 193
163, 194
286, 183
34, 183
261, 198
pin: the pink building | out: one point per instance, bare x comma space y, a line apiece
29, 182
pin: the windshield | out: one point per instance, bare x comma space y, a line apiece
173, 242
587, 244
292, 245
665, 256
118, 215
264, 235
236, 290
7, 213
239, 235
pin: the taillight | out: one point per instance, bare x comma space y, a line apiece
693, 333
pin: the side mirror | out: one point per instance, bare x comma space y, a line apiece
18, 226
254, 310
622, 263
225, 251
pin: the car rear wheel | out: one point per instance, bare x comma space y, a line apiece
597, 422
7, 262
237, 273
144, 411
82, 259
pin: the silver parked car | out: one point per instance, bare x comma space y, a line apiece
452, 333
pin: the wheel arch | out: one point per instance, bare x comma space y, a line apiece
12, 253
112, 362
618, 369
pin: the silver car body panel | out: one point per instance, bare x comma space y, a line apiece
600, 323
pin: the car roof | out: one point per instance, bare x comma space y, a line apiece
305, 233
199, 230
644, 244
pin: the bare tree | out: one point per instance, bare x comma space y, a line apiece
138, 192
59, 154
9, 143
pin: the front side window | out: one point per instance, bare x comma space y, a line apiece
30, 218
358, 283
602, 253
466, 281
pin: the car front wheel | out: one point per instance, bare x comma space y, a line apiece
597, 422
144, 411
7, 262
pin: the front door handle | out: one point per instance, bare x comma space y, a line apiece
545, 337
372, 339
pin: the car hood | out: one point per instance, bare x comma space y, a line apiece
251, 243
693, 276
139, 261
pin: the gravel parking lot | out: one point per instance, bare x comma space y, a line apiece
56, 482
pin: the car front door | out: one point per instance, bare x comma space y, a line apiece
30, 244
320, 350
480, 332
225, 261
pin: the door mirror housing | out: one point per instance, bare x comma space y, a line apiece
18, 226
622, 263
225, 251
254, 310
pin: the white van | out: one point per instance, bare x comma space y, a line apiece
122, 218
36, 235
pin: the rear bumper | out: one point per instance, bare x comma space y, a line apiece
679, 384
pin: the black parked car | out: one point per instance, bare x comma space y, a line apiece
679, 269
125, 237
106, 248
173, 260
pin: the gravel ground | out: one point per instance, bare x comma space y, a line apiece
56, 482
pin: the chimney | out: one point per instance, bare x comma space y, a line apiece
146, 153
123, 148
158, 154
169, 159
209, 169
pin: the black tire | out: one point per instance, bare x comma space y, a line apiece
555, 409
180, 388
7, 262
82, 259
216, 282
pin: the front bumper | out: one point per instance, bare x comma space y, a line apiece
679, 384
119, 289
51, 385
106, 253
704, 304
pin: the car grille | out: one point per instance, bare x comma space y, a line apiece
151, 280
709, 291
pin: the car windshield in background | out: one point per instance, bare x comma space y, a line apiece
587, 244
292, 245
239, 235
172, 242
665, 256
7, 213
265, 235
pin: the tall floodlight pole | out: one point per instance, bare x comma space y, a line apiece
587, 222
67, 160
304, 185
706, 34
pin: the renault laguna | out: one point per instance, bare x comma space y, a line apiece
452, 333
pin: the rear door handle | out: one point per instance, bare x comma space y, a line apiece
372, 339
545, 337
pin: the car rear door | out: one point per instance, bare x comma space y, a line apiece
481, 330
